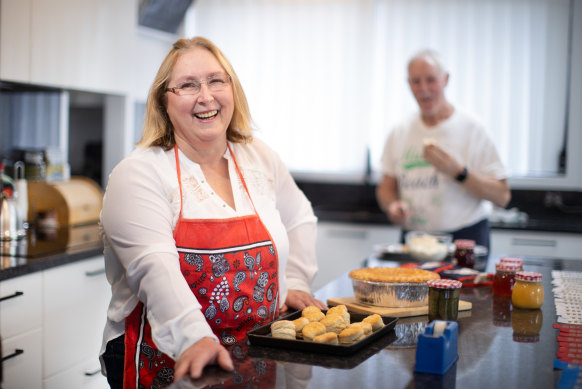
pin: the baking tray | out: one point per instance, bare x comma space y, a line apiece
262, 337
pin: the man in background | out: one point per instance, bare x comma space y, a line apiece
440, 169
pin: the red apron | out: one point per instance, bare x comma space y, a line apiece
231, 266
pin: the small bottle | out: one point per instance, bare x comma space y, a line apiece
504, 278
515, 260
528, 291
443, 299
465, 252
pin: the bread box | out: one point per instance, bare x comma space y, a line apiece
65, 203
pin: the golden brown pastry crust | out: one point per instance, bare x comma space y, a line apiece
334, 323
328, 337
283, 329
299, 324
350, 334
312, 329
375, 321
313, 316
342, 310
393, 274
366, 327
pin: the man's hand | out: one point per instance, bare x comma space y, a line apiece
398, 212
204, 352
441, 160
297, 299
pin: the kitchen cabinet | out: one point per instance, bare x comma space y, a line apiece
15, 40
20, 328
84, 45
75, 302
536, 244
343, 246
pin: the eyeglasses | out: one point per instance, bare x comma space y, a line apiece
215, 83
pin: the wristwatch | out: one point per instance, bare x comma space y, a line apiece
462, 176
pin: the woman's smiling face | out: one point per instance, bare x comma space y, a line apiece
201, 118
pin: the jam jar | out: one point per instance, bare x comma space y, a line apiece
464, 252
528, 291
504, 278
527, 324
443, 299
514, 260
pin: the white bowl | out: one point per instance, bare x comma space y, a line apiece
427, 246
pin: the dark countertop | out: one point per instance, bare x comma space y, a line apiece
489, 355
41, 251
356, 203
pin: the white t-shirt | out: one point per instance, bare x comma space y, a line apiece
140, 209
438, 202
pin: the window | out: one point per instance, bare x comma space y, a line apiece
326, 79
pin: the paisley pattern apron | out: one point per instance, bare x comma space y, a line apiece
231, 266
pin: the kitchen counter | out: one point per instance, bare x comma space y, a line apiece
489, 353
47, 249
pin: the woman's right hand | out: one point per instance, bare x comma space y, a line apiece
398, 212
202, 353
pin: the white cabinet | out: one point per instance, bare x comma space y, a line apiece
85, 45
343, 246
15, 40
20, 328
536, 244
75, 302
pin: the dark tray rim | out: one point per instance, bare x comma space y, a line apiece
262, 336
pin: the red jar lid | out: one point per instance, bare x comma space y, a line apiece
528, 276
517, 260
507, 266
444, 284
465, 244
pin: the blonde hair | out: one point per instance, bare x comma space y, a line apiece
158, 129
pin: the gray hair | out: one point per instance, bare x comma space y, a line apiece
431, 55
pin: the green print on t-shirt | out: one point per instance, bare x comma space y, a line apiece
413, 159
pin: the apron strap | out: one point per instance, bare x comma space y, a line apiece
179, 176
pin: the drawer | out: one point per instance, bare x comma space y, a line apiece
76, 297
86, 375
23, 368
20, 304
536, 244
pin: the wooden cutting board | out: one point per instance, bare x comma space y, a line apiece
354, 305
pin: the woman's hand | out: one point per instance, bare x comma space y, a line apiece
204, 352
297, 299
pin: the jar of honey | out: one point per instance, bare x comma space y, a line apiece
504, 278
443, 299
528, 291
526, 324
464, 253
515, 260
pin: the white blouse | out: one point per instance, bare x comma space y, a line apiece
140, 209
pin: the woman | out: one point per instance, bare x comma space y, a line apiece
206, 234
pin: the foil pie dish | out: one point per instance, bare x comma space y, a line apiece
391, 295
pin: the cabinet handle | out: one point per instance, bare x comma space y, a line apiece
17, 351
533, 242
16, 294
92, 373
95, 272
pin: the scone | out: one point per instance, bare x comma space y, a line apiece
312, 329
366, 327
328, 337
342, 310
309, 309
283, 329
375, 321
299, 324
313, 315
333, 323
351, 334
